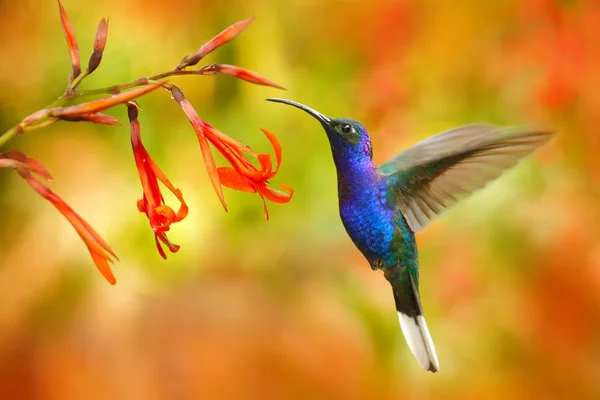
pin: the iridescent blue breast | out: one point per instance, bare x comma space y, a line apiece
369, 221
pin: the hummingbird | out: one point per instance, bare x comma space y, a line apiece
382, 208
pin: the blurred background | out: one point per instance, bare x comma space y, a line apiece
288, 308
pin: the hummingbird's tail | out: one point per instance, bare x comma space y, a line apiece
419, 340
415, 331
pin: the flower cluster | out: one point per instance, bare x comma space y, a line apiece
243, 174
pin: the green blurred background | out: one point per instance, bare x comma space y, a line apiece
288, 308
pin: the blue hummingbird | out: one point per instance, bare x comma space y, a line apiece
382, 208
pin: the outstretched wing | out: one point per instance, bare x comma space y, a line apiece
427, 178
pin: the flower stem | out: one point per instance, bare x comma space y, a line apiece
9, 134
72, 93
77, 81
138, 82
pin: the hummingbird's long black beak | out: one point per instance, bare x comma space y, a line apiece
325, 120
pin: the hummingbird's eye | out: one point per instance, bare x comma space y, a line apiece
346, 128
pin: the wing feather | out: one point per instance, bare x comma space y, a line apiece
429, 177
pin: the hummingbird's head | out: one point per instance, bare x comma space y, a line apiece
345, 135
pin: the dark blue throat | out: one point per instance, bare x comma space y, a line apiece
354, 164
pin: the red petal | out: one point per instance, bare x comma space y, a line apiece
99, 44
141, 205
17, 160
211, 131
246, 75
265, 209
173, 248
167, 212
211, 167
230, 178
197, 124
97, 118
276, 147
159, 247
71, 41
278, 196
237, 159
183, 209
147, 177
102, 265
95, 244
266, 165
224, 37
101, 34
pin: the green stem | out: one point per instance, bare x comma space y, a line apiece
9, 134
77, 81
43, 124
130, 85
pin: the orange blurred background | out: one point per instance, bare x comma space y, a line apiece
288, 308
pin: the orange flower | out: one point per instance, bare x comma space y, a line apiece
97, 118
152, 203
240, 73
99, 250
71, 41
244, 175
227, 35
99, 45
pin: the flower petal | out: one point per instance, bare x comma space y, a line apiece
17, 160
96, 118
266, 165
99, 45
278, 196
245, 74
197, 124
230, 178
225, 36
183, 209
173, 248
102, 265
71, 40
211, 166
212, 133
159, 247
265, 209
152, 195
98, 248
276, 147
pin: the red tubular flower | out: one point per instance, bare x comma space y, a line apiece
97, 118
209, 161
71, 40
99, 250
244, 175
152, 203
99, 44
227, 35
240, 73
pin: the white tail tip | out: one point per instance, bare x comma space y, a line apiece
419, 341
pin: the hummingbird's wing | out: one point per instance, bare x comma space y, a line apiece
429, 177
